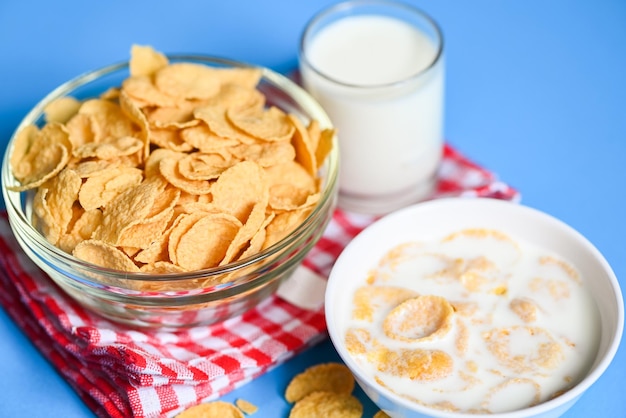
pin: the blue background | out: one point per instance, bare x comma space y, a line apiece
536, 92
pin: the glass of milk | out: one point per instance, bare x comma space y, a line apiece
377, 68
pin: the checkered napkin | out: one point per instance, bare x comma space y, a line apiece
123, 372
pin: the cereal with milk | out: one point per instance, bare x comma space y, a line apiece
475, 322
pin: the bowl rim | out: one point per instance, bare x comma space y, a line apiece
13, 199
599, 366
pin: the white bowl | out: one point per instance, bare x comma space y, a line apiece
437, 218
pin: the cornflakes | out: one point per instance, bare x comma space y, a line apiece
525, 309
61, 109
39, 155
416, 364
105, 255
368, 299
542, 350
246, 407
99, 189
419, 318
324, 404
331, 377
181, 167
145, 60
215, 409
272, 125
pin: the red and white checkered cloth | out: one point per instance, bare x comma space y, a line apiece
123, 372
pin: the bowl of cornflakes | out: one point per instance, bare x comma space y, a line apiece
171, 191
465, 307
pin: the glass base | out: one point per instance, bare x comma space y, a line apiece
384, 204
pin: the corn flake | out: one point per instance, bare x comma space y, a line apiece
215, 118
144, 60
416, 364
327, 404
270, 125
143, 93
61, 110
305, 151
246, 407
369, 299
204, 244
331, 377
168, 167
215, 409
239, 188
420, 318
187, 80
40, 155
105, 255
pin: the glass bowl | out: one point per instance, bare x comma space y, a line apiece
174, 300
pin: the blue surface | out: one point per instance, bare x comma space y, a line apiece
536, 91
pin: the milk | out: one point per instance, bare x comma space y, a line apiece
381, 80
483, 276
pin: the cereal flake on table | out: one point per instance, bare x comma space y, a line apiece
215, 409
